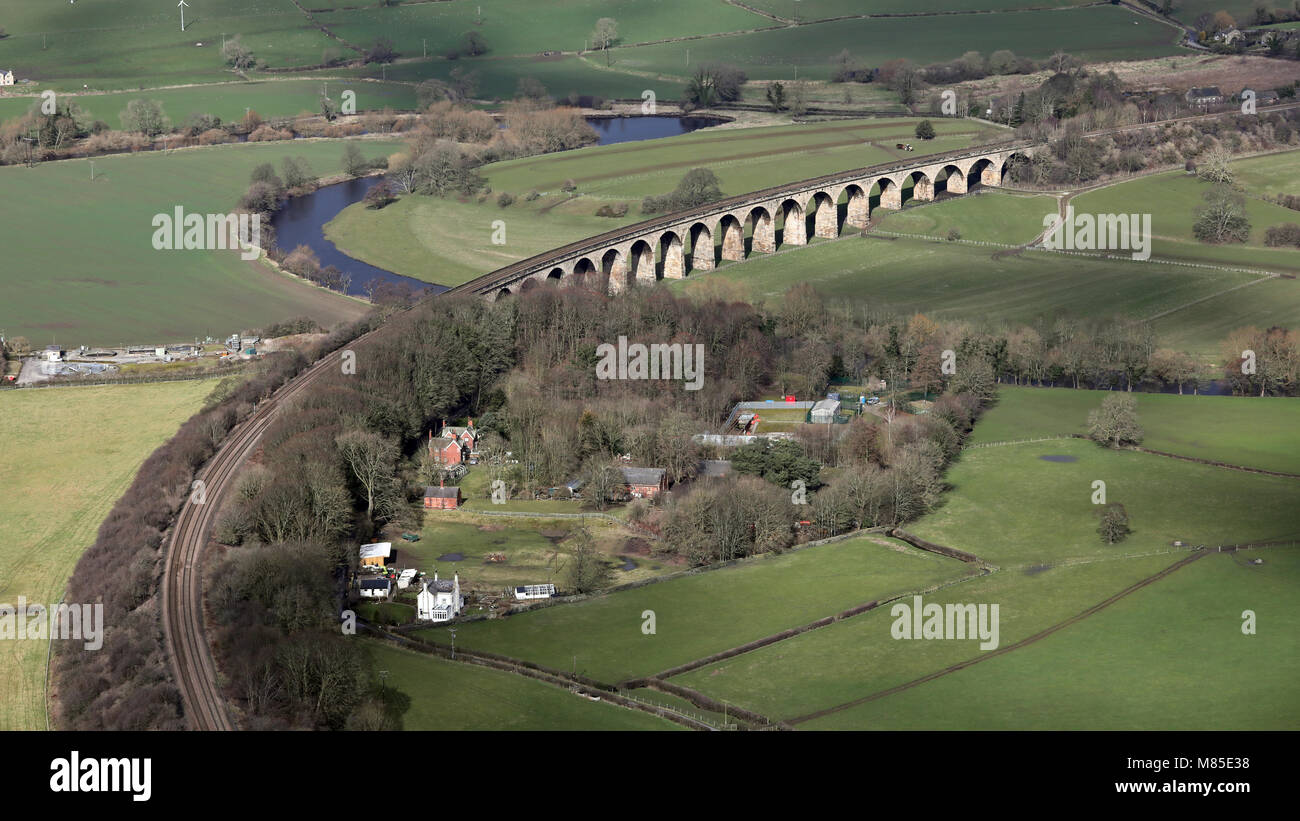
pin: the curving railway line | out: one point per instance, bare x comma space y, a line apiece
182, 599
182, 582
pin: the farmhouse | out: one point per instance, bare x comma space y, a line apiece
534, 591
448, 453
440, 600
466, 436
1208, 95
442, 498
375, 588
6, 78
376, 554
645, 483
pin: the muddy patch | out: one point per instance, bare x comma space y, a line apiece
627, 565
452, 557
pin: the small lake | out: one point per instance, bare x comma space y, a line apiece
301, 220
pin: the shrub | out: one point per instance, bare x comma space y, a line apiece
505, 199
1285, 234
612, 210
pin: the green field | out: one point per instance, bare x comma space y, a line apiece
706, 613
961, 281
994, 216
66, 455
1170, 657
806, 10
120, 45
269, 98
1013, 508
1094, 33
449, 241
511, 27
80, 264
1242, 430
1172, 199
857, 657
1270, 175
447, 695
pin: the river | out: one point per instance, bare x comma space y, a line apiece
301, 220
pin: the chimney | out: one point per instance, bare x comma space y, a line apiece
440, 480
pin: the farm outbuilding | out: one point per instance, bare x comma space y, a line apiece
825, 411
376, 554
645, 482
375, 588
534, 591
442, 498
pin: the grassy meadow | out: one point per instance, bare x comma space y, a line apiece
1171, 656
228, 100
99, 280
1172, 199
66, 455
707, 612
1241, 430
956, 280
448, 695
1094, 34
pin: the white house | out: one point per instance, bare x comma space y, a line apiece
53, 353
440, 600
6, 78
375, 588
535, 591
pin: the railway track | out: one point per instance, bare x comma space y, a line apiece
182, 584
182, 598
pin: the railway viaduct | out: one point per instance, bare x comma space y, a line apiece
734, 229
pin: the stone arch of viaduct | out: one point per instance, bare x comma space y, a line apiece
738, 228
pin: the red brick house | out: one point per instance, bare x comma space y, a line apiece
442, 498
645, 483
447, 452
